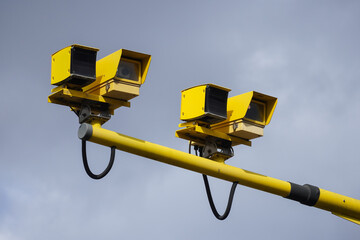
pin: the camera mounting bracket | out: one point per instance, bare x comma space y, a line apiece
87, 116
217, 151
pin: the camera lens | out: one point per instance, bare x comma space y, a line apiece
125, 72
128, 70
256, 111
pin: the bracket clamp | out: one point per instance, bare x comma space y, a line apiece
87, 116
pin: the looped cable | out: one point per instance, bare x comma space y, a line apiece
208, 192
212, 205
86, 165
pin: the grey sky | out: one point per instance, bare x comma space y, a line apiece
306, 53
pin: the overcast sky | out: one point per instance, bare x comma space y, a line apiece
306, 53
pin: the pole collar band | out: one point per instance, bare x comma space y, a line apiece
306, 194
85, 131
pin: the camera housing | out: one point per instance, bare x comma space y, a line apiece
94, 89
201, 107
212, 119
120, 75
204, 103
247, 115
74, 66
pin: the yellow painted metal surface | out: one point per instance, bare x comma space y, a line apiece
211, 85
354, 220
238, 106
237, 124
106, 68
240, 128
115, 89
192, 103
340, 205
75, 99
61, 62
191, 162
60, 65
199, 135
107, 82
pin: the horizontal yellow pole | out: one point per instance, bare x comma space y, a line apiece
340, 205
343, 206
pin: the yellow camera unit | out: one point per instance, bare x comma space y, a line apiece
248, 114
215, 123
94, 89
120, 75
74, 66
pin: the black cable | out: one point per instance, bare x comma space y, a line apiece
208, 191
86, 165
212, 205
76, 113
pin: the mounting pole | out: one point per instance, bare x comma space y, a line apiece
340, 205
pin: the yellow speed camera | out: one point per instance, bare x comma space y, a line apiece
94, 89
247, 115
205, 103
73, 66
120, 75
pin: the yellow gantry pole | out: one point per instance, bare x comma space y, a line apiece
342, 206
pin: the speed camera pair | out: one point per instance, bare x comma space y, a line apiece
210, 116
102, 85
94, 89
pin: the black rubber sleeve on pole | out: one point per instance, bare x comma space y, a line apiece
306, 194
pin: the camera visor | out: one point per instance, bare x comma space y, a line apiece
256, 111
128, 70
